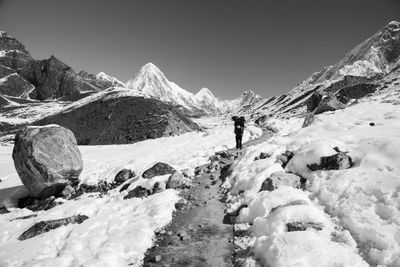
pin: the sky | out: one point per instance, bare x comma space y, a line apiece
228, 46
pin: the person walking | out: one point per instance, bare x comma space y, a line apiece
239, 129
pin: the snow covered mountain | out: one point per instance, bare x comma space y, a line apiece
105, 77
151, 81
362, 67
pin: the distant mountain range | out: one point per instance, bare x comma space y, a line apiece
151, 81
27, 83
27, 78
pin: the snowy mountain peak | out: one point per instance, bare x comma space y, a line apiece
104, 76
204, 92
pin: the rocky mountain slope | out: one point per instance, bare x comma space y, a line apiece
120, 116
359, 73
151, 81
25, 77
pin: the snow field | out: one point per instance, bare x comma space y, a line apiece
359, 207
118, 232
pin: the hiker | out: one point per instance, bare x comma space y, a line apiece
239, 129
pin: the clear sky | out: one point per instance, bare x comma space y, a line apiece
228, 46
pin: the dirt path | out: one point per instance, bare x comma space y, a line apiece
200, 233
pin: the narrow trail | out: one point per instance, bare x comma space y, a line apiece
200, 233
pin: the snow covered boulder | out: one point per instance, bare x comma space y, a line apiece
158, 169
124, 175
278, 179
338, 161
46, 158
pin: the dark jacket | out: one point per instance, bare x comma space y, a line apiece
239, 125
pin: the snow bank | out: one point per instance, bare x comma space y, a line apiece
359, 205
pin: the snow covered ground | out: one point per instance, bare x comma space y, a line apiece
359, 207
118, 232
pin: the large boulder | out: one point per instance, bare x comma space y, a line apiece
158, 169
328, 103
47, 159
177, 180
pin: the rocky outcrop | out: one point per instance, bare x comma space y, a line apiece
158, 169
46, 159
115, 119
53, 79
46, 226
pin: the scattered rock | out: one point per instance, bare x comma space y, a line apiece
68, 192
198, 171
278, 179
284, 158
338, 161
177, 180
303, 226
46, 159
138, 192
124, 175
224, 154
214, 158
262, 155
155, 258
45, 226
124, 187
35, 204
158, 169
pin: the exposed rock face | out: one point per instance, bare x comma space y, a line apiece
45, 226
46, 159
338, 161
5, 71
121, 120
159, 169
53, 79
15, 85
50, 78
280, 179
